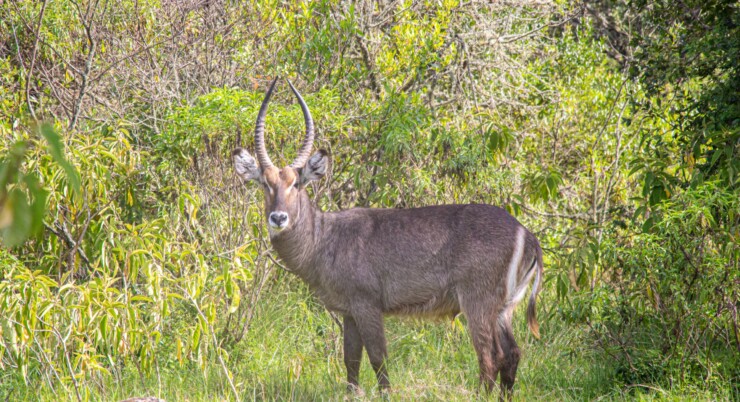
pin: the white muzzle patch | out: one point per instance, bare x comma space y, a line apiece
278, 220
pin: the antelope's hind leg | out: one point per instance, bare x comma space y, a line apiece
483, 332
510, 362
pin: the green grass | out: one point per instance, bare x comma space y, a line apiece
293, 352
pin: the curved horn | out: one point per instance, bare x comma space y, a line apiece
259, 130
305, 150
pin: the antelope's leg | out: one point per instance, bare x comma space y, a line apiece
482, 334
510, 362
482, 313
369, 322
352, 352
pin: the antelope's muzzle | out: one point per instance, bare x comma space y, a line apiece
278, 220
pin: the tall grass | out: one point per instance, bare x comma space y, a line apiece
294, 352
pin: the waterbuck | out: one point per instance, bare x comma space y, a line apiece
364, 263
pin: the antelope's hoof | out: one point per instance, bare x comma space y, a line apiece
354, 390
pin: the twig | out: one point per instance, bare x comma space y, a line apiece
29, 73
369, 65
514, 38
577, 216
18, 46
256, 292
76, 246
336, 321
88, 25
276, 262
59, 336
64, 234
131, 55
49, 363
648, 387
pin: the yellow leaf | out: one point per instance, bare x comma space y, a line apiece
6, 215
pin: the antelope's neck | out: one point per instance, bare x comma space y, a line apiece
297, 246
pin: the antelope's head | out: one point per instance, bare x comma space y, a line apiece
282, 187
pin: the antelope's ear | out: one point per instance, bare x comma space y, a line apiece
315, 167
245, 165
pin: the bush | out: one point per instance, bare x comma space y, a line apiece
669, 311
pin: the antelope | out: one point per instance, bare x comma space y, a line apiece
364, 263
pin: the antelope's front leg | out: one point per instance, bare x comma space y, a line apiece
352, 353
369, 320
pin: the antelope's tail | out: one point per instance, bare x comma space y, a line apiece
534, 326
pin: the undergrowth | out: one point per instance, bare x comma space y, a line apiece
293, 352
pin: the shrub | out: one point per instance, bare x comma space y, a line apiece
669, 311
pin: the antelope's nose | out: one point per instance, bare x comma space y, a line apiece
278, 220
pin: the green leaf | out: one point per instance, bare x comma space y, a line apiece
56, 149
20, 226
38, 203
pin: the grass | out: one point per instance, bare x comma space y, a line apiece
293, 352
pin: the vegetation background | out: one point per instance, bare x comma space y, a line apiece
133, 262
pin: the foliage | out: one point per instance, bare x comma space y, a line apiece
18, 218
692, 59
674, 259
674, 291
685, 55
110, 278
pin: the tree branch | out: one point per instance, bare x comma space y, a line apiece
29, 73
62, 233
